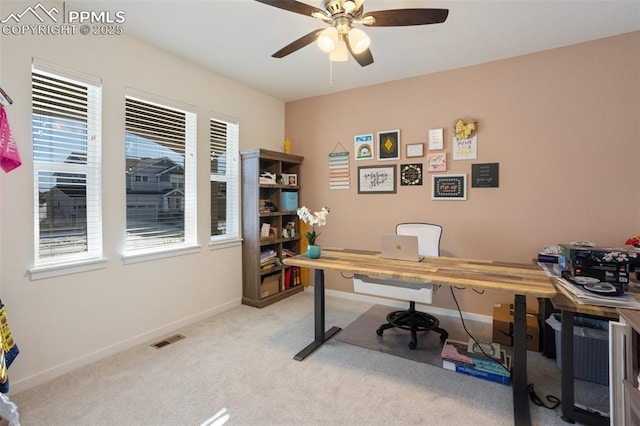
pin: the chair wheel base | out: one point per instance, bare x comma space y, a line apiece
413, 321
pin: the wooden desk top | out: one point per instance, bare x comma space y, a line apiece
519, 278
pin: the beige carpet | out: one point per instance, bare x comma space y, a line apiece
240, 363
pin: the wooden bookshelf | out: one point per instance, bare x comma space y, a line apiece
262, 284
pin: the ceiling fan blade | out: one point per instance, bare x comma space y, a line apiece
297, 44
294, 6
363, 58
405, 17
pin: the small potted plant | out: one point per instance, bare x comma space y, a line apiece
314, 219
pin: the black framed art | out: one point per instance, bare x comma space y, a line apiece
389, 145
449, 187
411, 174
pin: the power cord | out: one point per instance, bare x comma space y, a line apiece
472, 337
554, 400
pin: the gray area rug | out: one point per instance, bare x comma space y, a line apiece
362, 332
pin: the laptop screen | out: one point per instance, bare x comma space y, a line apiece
400, 247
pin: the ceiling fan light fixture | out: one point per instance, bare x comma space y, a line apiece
358, 40
340, 53
349, 6
328, 39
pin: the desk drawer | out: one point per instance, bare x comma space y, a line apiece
395, 289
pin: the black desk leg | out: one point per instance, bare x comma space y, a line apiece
521, 414
566, 361
571, 413
318, 312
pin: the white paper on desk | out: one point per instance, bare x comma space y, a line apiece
585, 297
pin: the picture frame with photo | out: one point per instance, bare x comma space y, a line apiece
388, 145
289, 179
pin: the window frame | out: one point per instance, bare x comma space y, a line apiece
189, 243
231, 177
93, 257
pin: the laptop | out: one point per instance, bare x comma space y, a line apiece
400, 247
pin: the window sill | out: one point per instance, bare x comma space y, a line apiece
56, 270
223, 244
130, 258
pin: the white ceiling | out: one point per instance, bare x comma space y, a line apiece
235, 38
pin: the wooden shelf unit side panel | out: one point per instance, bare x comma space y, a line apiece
632, 353
254, 163
632, 318
250, 167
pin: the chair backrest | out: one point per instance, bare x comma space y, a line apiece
428, 236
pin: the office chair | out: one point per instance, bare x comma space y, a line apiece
412, 320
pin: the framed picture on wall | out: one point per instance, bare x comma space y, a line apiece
415, 150
449, 187
364, 147
411, 174
377, 180
389, 145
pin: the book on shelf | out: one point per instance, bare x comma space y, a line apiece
292, 277
288, 253
287, 278
269, 260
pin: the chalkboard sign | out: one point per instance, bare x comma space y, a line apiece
449, 187
485, 175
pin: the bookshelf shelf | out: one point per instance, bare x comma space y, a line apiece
258, 284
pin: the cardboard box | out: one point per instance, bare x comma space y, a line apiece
503, 327
270, 285
610, 265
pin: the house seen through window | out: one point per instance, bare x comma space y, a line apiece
66, 132
224, 151
160, 150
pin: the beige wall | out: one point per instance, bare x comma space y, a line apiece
63, 322
563, 124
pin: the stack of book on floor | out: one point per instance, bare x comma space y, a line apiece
492, 364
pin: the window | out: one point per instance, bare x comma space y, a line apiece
66, 132
223, 150
160, 149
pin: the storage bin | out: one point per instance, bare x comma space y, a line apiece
590, 348
289, 201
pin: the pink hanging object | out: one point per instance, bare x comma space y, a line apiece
9, 155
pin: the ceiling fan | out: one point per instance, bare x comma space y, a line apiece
342, 37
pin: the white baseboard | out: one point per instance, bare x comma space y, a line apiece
434, 310
46, 375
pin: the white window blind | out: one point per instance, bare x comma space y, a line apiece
160, 146
66, 132
224, 151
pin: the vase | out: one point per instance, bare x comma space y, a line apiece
313, 251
